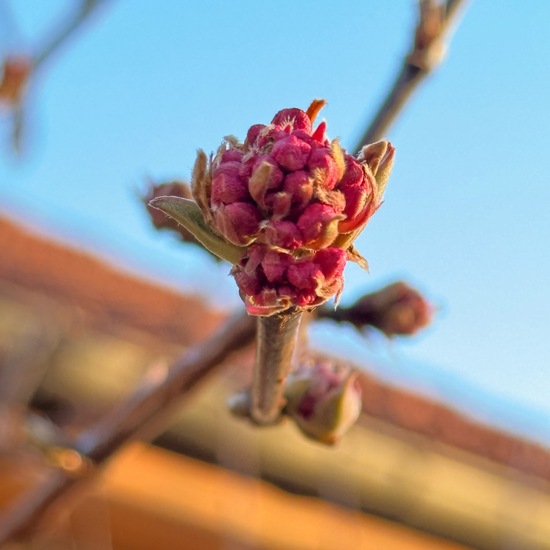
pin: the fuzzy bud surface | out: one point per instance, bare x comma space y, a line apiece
324, 400
294, 201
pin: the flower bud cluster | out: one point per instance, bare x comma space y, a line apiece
294, 201
273, 280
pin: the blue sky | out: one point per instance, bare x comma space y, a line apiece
466, 212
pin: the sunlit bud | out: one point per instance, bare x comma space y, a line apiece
319, 225
324, 400
293, 193
379, 158
238, 222
270, 280
396, 310
291, 153
227, 184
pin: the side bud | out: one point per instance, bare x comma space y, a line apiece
324, 400
13, 79
395, 310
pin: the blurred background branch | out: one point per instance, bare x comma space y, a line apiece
146, 408
19, 68
435, 22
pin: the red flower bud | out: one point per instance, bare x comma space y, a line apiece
324, 167
296, 118
290, 192
238, 222
291, 153
227, 185
324, 400
299, 186
282, 234
396, 309
271, 281
319, 225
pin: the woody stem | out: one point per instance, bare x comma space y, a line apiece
276, 342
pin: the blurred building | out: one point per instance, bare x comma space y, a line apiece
77, 335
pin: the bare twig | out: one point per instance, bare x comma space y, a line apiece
143, 414
276, 341
435, 22
67, 29
21, 371
59, 38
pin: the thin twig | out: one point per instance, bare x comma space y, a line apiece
142, 415
66, 31
276, 342
434, 25
60, 37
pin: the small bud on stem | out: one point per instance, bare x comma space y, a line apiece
284, 208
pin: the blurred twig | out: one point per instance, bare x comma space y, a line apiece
145, 409
59, 37
66, 30
21, 371
435, 22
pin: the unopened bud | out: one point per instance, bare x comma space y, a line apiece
396, 310
324, 400
14, 77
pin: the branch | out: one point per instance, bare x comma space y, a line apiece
33, 63
435, 22
143, 414
66, 31
276, 340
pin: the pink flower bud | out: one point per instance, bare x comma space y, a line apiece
396, 309
291, 153
305, 275
296, 118
249, 283
322, 164
238, 222
231, 155
265, 176
324, 400
305, 282
282, 234
275, 265
253, 133
357, 186
332, 262
227, 185
299, 186
319, 225
290, 192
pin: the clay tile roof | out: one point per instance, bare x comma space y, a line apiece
109, 296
